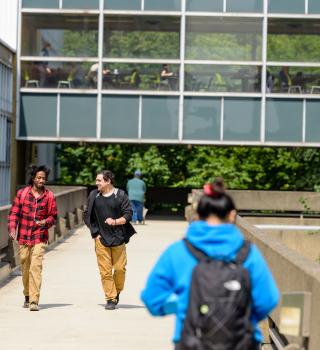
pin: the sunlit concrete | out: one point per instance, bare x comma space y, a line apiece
72, 315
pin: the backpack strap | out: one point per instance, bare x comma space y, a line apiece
197, 253
243, 253
117, 193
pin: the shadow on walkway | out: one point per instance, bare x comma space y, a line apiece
51, 306
126, 306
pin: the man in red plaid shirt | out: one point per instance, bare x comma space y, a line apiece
32, 213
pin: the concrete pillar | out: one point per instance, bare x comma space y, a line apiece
79, 216
62, 226
71, 220
52, 234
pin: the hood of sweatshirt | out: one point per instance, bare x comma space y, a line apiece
217, 241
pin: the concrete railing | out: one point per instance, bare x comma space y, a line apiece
292, 272
70, 202
266, 200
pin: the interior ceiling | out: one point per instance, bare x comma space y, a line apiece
171, 23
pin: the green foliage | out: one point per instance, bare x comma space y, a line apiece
80, 43
222, 46
242, 167
297, 48
143, 44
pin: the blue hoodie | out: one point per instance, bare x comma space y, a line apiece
167, 288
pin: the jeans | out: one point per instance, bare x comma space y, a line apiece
137, 207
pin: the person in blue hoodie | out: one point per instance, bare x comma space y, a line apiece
168, 285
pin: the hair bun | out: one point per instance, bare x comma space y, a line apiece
211, 190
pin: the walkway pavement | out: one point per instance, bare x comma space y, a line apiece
72, 315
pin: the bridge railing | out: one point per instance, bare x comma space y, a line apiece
293, 273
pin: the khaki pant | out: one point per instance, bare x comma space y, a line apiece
31, 266
112, 263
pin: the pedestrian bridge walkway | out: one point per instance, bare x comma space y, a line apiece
72, 314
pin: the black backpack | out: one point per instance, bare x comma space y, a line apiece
218, 316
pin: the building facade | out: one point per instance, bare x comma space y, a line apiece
8, 32
171, 71
6, 118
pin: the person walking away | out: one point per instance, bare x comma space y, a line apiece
32, 213
136, 189
217, 284
108, 215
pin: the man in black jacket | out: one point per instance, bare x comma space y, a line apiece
108, 215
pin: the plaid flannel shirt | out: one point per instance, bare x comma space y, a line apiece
24, 216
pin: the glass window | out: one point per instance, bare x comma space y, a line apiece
78, 116
295, 40
202, 117
163, 5
40, 3
38, 115
223, 38
204, 5
216, 78
241, 120
284, 120
142, 36
120, 117
69, 35
313, 121
128, 76
295, 80
80, 4
70, 75
286, 6
314, 6
122, 4
160, 117
244, 6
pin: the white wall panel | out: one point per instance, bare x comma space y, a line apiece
8, 22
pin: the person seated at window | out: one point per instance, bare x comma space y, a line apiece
165, 73
92, 75
299, 80
166, 77
285, 79
106, 77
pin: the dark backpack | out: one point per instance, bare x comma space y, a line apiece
129, 230
218, 316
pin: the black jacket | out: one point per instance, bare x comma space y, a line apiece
125, 208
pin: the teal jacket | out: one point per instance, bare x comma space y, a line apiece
136, 189
167, 288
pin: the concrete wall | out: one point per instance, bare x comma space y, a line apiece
269, 200
306, 243
293, 273
70, 202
